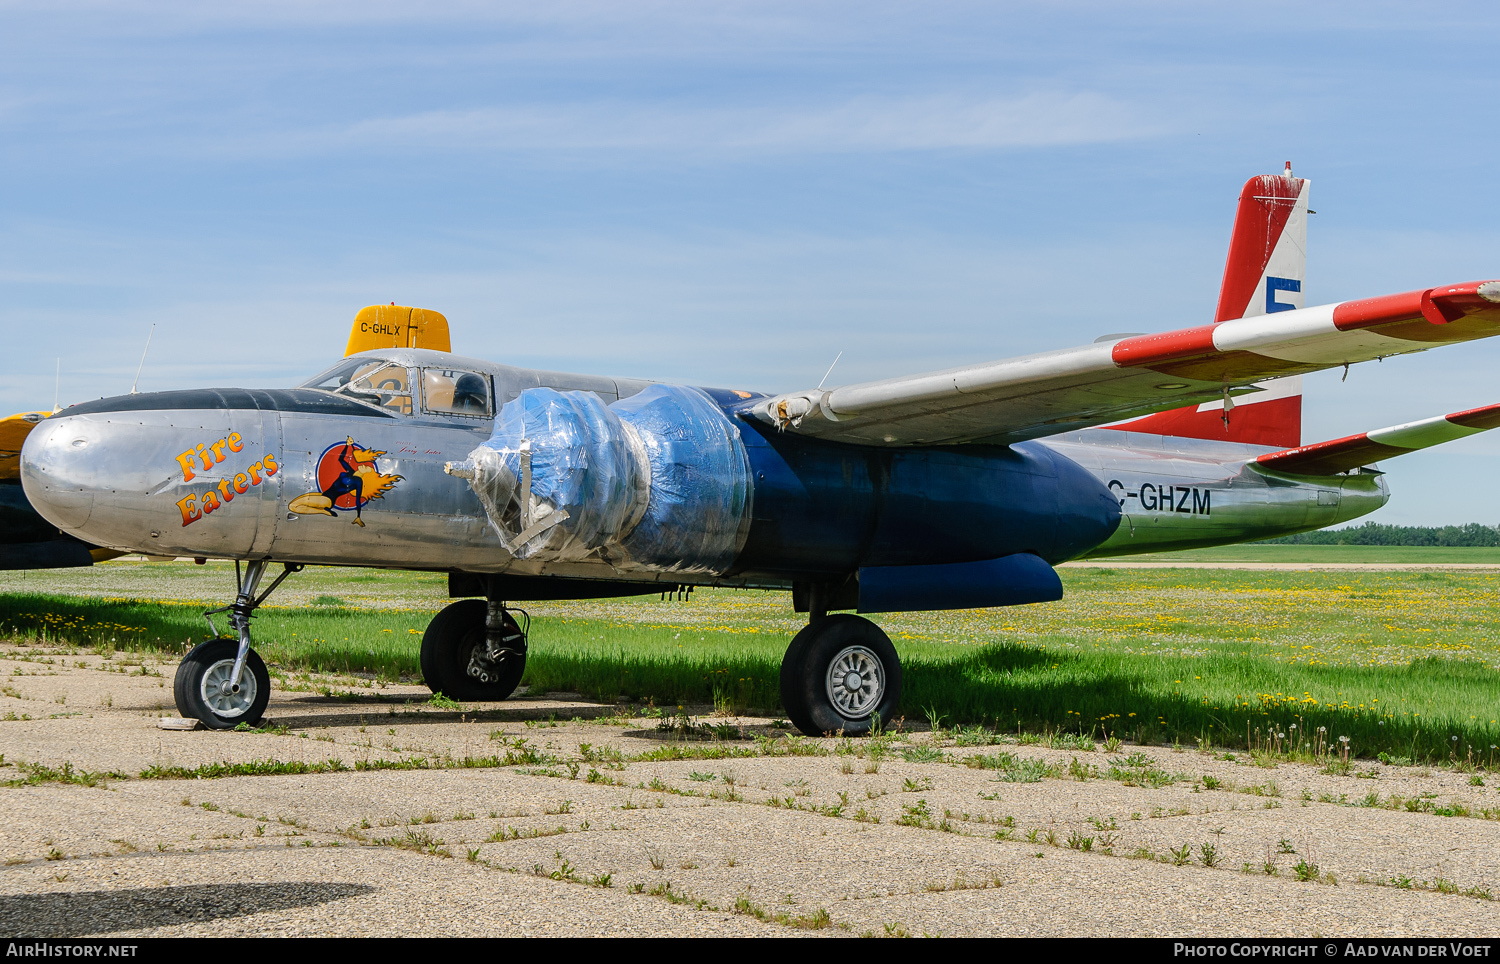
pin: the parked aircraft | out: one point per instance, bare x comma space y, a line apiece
28, 541
944, 490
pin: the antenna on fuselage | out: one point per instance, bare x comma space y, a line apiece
57, 388
830, 370
143, 361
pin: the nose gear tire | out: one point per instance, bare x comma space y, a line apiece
840, 674
202, 689
449, 646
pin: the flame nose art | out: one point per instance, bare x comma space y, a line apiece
58, 470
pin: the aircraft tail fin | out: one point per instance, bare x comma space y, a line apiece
1267, 263
1270, 416
1264, 273
397, 326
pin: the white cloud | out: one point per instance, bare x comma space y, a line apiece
938, 122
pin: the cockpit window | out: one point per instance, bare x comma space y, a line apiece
378, 382
446, 391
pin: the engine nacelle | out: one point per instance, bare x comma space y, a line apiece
658, 480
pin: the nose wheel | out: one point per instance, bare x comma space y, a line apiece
223, 682
840, 674
205, 688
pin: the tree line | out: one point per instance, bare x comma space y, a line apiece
1375, 534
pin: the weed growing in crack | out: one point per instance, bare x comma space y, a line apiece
918, 814
922, 753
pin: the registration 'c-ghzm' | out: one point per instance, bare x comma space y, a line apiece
955, 489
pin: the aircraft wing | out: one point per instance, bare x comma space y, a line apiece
1341, 455
1117, 378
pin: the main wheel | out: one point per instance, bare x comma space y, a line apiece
840, 674
454, 641
202, 689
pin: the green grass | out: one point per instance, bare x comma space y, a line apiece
382, 642
1363, 555
1399, 662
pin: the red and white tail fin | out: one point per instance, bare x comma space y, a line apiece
1264, 273
1271, 416
1267, 263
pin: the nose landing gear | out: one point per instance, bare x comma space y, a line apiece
223, 682
840, 675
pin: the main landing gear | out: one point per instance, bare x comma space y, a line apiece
840, 675
223, 682
475, 650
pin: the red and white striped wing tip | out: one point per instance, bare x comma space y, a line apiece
1441, 305
1340, 455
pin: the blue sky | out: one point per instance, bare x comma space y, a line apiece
730, 194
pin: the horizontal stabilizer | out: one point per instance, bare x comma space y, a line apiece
1341, 455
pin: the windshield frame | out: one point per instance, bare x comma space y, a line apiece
366, 369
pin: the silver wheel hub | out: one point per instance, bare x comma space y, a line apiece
220, 695
856, 682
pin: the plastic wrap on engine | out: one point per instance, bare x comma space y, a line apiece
657, 481
700, 480
583, 477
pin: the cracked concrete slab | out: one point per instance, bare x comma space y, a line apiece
375, 812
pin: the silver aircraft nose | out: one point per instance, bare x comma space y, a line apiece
59, 471
143, 473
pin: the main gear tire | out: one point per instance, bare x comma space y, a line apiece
453, 640
840, 675
203, 692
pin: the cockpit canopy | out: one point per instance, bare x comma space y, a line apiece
392, 385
